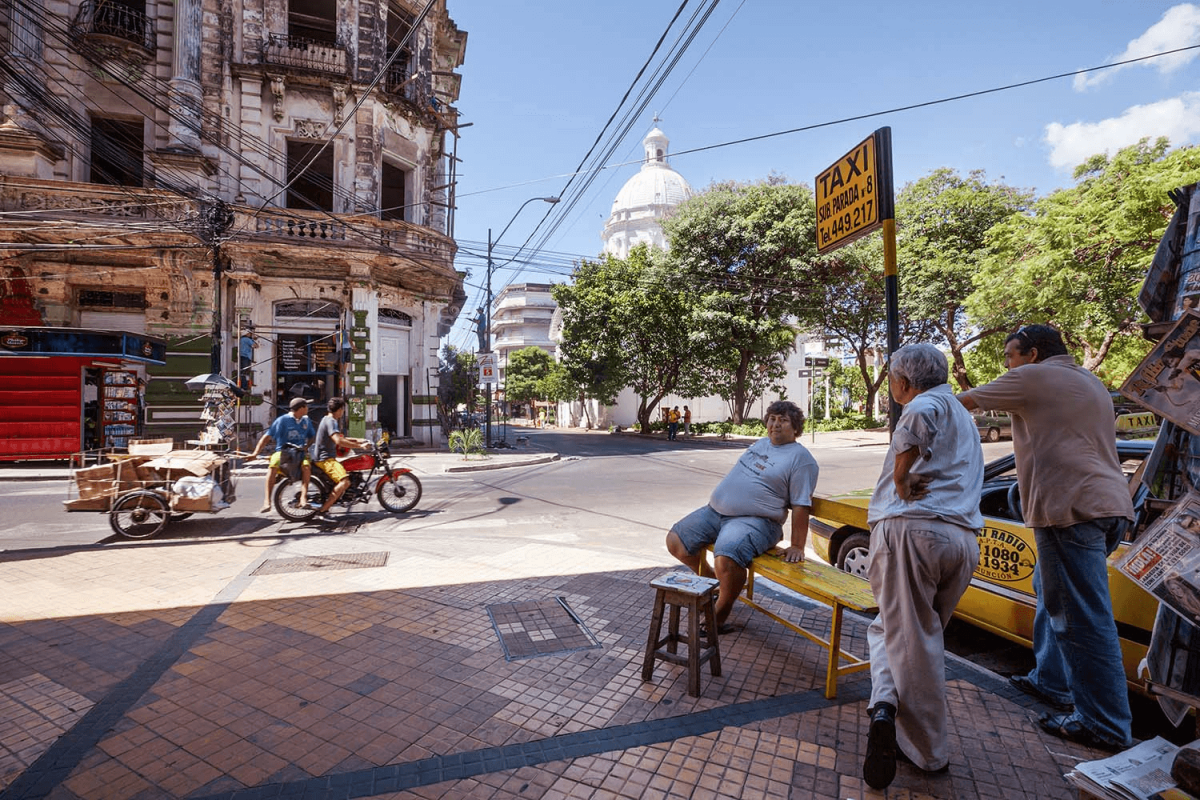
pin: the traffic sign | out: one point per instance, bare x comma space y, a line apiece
487, 367
804, 373
816, 361
847, 196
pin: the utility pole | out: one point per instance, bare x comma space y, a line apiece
216, 218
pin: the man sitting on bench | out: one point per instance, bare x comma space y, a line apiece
744, 516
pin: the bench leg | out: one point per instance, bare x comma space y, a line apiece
693, 645
710, 619
652, 638
835, 652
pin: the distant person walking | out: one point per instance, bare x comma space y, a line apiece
1076, 499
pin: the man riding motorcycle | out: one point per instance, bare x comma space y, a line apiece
329, 439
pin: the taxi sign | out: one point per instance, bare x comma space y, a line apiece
847, 195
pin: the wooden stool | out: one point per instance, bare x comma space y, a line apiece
683, 590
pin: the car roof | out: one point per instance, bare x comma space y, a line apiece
1132, 448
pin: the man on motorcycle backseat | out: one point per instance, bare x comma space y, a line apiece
329, 439
293, 428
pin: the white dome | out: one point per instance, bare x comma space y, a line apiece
645, 199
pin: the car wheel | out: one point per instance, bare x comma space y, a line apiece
854, 554
993, 434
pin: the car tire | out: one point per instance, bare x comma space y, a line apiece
854, 554
993, 434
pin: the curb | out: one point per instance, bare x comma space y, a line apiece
546, 459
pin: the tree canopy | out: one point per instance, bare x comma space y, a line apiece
525, 373
746, 251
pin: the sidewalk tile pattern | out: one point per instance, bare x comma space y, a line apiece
315, 684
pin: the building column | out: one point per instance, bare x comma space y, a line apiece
186, 96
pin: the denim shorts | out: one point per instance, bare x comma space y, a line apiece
738, 538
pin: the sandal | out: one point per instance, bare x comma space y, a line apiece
1030, 688
1072, 729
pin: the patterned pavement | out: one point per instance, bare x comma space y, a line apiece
186, 669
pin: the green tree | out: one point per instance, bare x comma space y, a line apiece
747, 251
941, 225
626, 322
1077, 261
457, 383
525, 374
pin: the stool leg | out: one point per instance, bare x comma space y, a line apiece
710, 618
652, 638
673, 630
693, 646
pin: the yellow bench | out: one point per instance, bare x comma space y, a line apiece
829, 585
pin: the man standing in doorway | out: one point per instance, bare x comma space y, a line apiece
1076, 499
329, 439
292, 428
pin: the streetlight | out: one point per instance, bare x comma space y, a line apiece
491, 244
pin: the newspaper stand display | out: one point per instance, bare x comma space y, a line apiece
143, 490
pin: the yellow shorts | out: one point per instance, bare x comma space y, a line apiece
333, 468
273, 463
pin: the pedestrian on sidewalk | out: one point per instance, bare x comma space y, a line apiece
687, 421
924, 518
745, 513
1076, 499
673, 424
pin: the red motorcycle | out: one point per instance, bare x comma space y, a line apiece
370, 473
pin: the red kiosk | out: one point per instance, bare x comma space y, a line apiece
68, 390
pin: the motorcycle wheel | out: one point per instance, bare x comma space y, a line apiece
399, 493
287, 499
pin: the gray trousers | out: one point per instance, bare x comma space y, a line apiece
919, 569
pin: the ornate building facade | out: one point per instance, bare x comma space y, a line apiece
279, 172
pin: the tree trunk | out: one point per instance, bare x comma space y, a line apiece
587, 415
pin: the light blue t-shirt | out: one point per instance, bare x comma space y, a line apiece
767, 481
289, 430
950, 454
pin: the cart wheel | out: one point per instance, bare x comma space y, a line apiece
139, 515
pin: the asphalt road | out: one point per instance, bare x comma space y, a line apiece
615, 496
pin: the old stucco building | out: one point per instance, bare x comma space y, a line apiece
286, 163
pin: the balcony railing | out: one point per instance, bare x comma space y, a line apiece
310, 55
115, 21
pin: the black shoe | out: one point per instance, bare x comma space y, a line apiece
879, 767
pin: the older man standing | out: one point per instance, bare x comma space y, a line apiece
1076, 499
924, 518
745, 513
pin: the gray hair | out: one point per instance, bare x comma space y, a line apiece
922, 364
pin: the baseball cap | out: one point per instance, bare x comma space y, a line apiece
297, 402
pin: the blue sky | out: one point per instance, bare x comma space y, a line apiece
541, 78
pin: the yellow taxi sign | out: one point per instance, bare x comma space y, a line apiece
847, 196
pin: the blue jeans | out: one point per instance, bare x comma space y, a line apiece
1074, 634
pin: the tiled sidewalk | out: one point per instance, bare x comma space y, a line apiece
391, 682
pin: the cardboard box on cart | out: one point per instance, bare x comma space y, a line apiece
177, 464
98, 486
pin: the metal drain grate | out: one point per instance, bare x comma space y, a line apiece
280, 566
539, 628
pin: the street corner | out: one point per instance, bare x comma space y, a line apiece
491, 462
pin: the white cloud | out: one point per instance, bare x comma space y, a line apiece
1179, 27
1177, 118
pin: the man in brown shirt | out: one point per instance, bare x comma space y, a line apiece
1076, 499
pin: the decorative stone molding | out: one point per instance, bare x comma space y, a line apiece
309, 128
277, 90
340, 91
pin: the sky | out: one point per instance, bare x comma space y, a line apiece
541, 78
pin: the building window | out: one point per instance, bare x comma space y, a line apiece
116, 153
390, 316
313, 309
102, 298
392, 199
314, 187
399, 23
314, 20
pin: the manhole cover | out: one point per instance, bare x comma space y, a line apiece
539, 628
279, 566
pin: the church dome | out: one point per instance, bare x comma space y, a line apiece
645, 199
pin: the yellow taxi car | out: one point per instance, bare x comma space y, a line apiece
1000, 598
